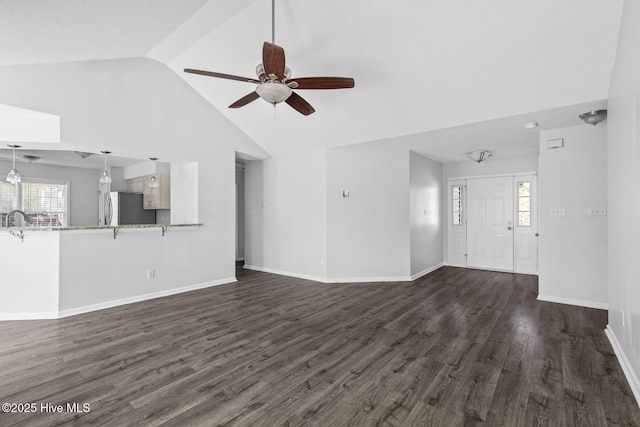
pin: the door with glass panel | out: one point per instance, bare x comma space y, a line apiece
490, 227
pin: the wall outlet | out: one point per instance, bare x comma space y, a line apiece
622, 318
151, 274
597, 211
557, 212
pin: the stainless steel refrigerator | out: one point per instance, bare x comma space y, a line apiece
124, 208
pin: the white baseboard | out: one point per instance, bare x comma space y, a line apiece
573, 301
108, 304
45, 315
631, 376
144, 297
369, 279
286, 273
427, 271
329, 279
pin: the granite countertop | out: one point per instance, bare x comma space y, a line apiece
97, 227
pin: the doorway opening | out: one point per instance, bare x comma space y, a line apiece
492, 223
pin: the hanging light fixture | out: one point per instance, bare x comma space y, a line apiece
153, 182
105, 178
14, 176
479, 156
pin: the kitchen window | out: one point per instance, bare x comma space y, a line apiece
45, 201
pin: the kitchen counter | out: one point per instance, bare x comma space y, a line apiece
97, 227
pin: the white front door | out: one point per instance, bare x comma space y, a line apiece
490, 223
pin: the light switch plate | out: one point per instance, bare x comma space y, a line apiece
596, 211
557, 212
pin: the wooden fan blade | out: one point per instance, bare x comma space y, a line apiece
324, 82
299, 104
221, 75
273, 60
245, 100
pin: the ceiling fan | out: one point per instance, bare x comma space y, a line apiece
274, 79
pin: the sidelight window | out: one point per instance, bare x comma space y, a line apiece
524, 204
456, 200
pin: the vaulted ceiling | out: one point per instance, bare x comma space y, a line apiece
440, 78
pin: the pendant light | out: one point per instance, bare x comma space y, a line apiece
153, 182
105, 178
14, 176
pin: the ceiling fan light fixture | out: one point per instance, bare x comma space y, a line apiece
593, 117
479, 156
273, 92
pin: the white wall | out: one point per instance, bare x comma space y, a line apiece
83, 187
29, 283
425, 213
368, 235
286, 214
573, 248
492, 166
138, 108
623, 154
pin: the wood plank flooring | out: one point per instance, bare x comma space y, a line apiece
456, 347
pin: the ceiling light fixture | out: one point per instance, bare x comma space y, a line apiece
153, 182
593, 117
105, 178
479, 156
531, 125
83, 154
13, 176
29, 158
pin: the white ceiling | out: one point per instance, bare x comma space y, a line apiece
440, 78
41, 31
66, 158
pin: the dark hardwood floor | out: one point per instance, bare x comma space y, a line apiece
456, 347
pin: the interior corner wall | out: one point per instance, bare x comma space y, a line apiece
573, 246
425, 213
623, 155
368, 231
286, 214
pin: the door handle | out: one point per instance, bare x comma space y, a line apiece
509, 228
537, 234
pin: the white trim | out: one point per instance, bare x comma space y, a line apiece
109, 304
369, 279
427, 271
500, 175
43, 315
285, 273
631, 376
574, 301
330, 279
144, 297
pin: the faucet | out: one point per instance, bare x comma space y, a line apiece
26, 218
